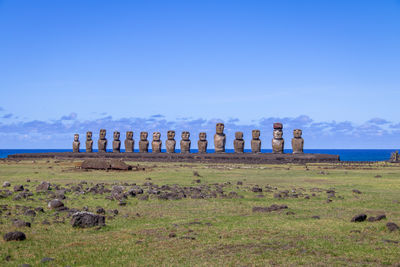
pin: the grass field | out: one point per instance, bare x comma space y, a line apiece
214, 231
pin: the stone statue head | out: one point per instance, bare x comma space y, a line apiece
76, 137
143, 136
185, 136
239, 135
203, 136
278, 126
220, 128
255, 134
278, 134
297, 133
88, 136
102, 134
129, 135
116, 135
156, 136
171, 135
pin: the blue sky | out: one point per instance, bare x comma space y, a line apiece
329, 67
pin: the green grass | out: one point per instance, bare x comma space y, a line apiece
229, 232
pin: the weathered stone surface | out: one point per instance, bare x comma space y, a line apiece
156, 143
6, 184
14, 236
76, 144
55, 204
297, 142
129, 142
238, 143
170, 143
185, 142
392, 226
84, 219
219, 138
89, 142
202, 143
105, 164
278, 142
359, 218
143, 143
273, 207
255, 141
18, 188
43, 186
20, 223
116, 142
102, 142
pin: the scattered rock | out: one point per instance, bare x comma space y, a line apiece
18, 188
86, 219
392, 226
359, 218
100, 210
239, 183
43, 186
273, 207
316, 217
20, 223
356, 191
172, 235
6, 184
55, 204
31, 213
104, 164
377, 218
14, 236
44, 260
195, 173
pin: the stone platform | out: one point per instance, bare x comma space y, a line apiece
245, 158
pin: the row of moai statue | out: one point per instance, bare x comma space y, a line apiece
219, 141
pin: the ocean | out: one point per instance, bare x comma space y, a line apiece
345, 154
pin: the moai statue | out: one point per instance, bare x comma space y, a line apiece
185, 142
278, 142
255, 141
297, 142
116, 142
129, 142
143, 143
202, 143
219, 138
76, 143
156, 143
238, 143
170, 143
102, 143
89, 142
394, 157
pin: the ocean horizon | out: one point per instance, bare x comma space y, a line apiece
344, 154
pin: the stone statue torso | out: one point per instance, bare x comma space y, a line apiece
156, 146
185, 146
102, 145
116, 145
219, 143
170, 145
129, 145
89, 146
144, 146
238, 145
202, 146
256, 145
297, 145
277, 145
75, 146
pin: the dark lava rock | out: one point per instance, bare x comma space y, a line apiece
316, 217
6, 184
273, 207
55, 204
39, 209
43, 186
356, 191
144, 197
20, 223
377, 218
392, 226
44, 260
256, 189
100, 211
290, 213
172, 235
18, 188
239, 183
30, 213
86, 219
14, 236
359, 218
